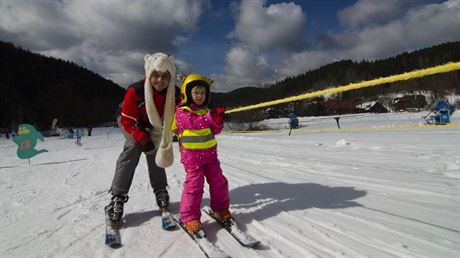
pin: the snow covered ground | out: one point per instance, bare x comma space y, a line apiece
382, 186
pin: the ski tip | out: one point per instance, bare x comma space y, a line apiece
168, 223
114, 245
112, 242
252, 244
170, 227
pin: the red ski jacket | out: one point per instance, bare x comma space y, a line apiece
133, 115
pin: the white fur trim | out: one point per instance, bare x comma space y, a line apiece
161, 62
165, 157
155, 135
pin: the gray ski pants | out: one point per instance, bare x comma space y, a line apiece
127, 163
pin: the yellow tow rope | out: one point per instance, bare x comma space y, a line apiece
449, 67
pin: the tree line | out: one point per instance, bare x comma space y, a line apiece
347, 71
36, 89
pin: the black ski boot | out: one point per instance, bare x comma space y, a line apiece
162, 198
114, 210
167, 220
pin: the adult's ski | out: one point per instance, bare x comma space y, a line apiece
112, 233
208, 248
242, 237
167, 220
112, 230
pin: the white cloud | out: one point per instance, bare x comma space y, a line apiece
111, 37
420, 27
180, 41
243, 68
260, 29
377, 42
278, 26
138, 25
433, 24
365, 12
304, 61
105, 36
37, 25
183, 67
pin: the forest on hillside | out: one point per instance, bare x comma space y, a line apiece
345, 72
36, 89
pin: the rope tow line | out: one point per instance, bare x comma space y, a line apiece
350, 129
449, 67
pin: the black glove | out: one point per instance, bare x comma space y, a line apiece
144, 126
148, 148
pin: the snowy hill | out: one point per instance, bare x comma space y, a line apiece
382, 186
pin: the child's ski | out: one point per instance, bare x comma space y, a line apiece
167, 220
242, 237
208, 248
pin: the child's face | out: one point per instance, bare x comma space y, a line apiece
198, 95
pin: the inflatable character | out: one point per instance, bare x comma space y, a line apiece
27, 140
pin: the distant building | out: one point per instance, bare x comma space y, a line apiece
410, 102
276, 112
340, 106
372, 107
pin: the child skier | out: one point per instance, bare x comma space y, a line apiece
196, 126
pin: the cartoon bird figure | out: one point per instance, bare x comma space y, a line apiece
27, 140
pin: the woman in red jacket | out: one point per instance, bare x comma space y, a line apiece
145, 119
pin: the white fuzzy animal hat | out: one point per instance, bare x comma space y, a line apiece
161, 134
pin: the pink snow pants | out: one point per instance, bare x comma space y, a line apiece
192, 195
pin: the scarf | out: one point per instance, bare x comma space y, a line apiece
161, 134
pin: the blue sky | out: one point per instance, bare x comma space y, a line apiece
237, 42
219, 21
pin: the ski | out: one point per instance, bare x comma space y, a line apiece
167, 220
112, 233
208, 248
242, 237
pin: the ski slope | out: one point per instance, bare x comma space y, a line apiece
382, 186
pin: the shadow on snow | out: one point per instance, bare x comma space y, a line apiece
263, 201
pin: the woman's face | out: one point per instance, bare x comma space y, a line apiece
160, 80
198, 95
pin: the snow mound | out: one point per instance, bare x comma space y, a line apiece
342, 142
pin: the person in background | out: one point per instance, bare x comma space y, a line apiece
196, 126
146, 116
78, 132
70, 133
